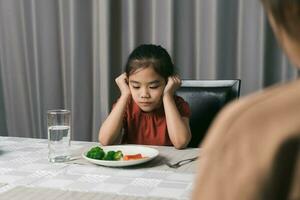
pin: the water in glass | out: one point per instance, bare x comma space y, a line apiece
59, 143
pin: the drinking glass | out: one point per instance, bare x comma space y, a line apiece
59, 135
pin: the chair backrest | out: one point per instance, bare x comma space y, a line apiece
206, 98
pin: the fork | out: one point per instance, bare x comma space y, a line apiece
181, 162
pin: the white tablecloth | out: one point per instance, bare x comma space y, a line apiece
24, 169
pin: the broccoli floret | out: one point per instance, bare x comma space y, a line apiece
95, 153
109, 155
118, 155
99, 154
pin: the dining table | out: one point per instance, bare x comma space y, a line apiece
26, 174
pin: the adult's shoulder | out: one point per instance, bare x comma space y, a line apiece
244, 140
265, 109
275, 110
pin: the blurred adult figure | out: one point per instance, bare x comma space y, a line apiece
252, 149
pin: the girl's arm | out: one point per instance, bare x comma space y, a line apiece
111, 128
178, 127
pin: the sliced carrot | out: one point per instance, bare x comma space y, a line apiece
133, 157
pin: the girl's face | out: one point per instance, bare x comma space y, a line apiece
147, 88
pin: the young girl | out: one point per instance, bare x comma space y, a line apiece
147, 110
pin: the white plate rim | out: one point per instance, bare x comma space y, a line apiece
152, 153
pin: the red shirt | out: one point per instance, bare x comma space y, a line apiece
149, 128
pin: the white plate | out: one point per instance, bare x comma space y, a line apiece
147, 152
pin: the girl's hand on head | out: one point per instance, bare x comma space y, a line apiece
173, 84
122, 82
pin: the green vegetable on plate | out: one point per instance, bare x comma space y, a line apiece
99, 154
96, 153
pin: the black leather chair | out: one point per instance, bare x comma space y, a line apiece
206, 98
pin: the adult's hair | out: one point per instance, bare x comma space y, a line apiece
286, 14
149, 55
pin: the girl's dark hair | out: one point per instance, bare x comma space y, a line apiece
147, 55
286, 14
